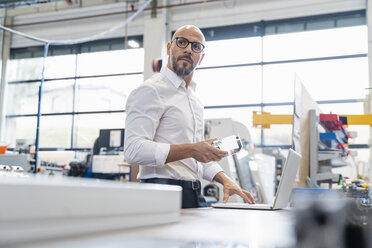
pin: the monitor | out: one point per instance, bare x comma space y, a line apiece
296, 122
303, 103
110, 141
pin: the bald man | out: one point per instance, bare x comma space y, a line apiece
165, 126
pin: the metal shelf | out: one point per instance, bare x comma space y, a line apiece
321, 172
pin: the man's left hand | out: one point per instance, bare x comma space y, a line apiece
230, 188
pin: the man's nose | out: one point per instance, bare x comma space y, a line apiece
188, 48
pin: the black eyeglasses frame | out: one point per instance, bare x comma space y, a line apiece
189, 42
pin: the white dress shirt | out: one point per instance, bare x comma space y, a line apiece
161, 112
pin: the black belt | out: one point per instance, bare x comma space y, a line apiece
194, 185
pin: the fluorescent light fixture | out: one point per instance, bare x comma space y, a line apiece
133, 44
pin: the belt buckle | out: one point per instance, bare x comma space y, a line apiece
194, 185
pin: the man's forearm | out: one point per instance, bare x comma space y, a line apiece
178, 152
202, 151
221, 178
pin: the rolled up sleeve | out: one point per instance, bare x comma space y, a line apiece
144, 110
210, 170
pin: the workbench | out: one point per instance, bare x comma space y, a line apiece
202, 227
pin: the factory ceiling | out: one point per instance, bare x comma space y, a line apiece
24, 7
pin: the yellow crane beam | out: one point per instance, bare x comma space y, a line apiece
365, 119
265, 119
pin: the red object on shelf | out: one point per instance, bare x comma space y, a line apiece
331, 122
328, 117
333, 125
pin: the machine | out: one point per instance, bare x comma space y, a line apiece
249, 168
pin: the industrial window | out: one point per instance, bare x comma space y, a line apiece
247, 67
85, 90
255, 69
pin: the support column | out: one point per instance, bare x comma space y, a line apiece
155, 39
369, 98
5, 40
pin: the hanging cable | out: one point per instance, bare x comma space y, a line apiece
81, 40
199, 12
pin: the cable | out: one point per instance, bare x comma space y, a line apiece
167, 6
81, 40
200, 11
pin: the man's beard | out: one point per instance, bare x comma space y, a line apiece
182, 71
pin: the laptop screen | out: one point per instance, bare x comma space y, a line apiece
287, 180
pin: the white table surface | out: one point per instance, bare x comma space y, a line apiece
203, 227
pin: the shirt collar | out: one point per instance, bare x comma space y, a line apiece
176, 80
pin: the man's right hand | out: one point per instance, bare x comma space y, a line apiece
204, 152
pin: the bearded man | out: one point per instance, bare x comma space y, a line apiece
165, 126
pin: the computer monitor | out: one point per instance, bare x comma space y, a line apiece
110, 141
296, 127
303, 103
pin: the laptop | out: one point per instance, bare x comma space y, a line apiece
284, 190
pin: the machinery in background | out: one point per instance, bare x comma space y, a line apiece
8, 170
17, 160
21, 157
79, 168
108, 153
103, 162
329, 141
220, 128
249, 168
109, 142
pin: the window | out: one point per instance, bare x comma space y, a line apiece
246, 67
20, 128
22, 98
110, 62
55, 131
324, 79
315, 44
229, 86
257, 65
105, 93
88, 126
82, 92
232, 52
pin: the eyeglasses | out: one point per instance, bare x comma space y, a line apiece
196, 47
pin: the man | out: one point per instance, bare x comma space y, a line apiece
165, 126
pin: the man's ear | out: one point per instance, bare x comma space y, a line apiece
168, 48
